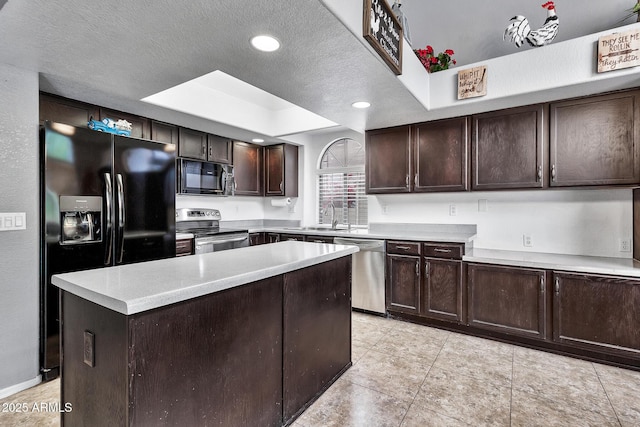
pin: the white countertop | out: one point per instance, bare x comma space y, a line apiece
133, 288
572, 263
366, 233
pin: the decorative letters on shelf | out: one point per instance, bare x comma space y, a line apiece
618, 51
383, 31
472, 82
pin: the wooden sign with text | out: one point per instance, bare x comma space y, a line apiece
383, 31
618, 51
472, 82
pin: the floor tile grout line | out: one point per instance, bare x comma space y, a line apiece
606, 393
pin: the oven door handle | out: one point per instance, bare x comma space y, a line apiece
214, 242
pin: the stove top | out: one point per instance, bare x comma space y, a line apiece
203, 232
202, 222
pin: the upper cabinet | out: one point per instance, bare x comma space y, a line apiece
219, 149
247, 169
62, 110
281, 170
164, 132
440, 152
388, 160
508, 149
595, 140
140, 126
192, 144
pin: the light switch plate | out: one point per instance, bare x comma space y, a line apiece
10, 221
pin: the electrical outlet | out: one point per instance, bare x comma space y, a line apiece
624, 245
453, 210
527, 240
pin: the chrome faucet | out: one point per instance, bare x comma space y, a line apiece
334, 220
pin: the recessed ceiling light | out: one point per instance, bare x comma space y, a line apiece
257, 140
361, 104
265, 43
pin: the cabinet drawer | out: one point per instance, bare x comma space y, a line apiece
319, 239
184, 247
443, 250
403, 248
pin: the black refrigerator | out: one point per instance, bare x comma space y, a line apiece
106, 200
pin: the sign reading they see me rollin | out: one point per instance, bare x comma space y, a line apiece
618, 51
383, 31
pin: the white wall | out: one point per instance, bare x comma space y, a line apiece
19, 260
581, 222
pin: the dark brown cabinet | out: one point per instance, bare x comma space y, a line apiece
67, 111
281, 170
164, 132
388, 160
294, 237
442, 292
440, 152
219, 149
403, 277
596, 140
192, 144
597, 313
247, 170
508, 149
140, 126
319, 239
507, 299
257, 239
184, 247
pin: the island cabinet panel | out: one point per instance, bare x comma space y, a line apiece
388, 166
441, 149
597, 313
248, 167
508, 149
507, 299
98, 393
317, 332
596, 140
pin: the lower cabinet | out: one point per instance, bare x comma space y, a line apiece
403, 278
597, 312
442, 290
507, 299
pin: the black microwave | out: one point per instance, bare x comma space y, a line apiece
197, 177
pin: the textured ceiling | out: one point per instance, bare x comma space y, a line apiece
114, 53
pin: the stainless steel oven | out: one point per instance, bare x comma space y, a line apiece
204, 224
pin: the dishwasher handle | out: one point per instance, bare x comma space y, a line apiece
364, 245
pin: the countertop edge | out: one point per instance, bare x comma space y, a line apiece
149, 302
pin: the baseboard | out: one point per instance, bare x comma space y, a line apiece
6, 392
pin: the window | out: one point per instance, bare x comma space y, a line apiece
341, 182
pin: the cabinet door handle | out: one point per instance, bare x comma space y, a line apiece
417, 269
553, 173
444, 251
404, 248
557, 285
406, 181
415, 180
540, 173
280, 186
204, 150
426, 269
542, 284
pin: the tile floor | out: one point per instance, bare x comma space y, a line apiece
409, 375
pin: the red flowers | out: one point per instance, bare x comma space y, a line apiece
433, 62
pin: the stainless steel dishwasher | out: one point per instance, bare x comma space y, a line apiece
367, 274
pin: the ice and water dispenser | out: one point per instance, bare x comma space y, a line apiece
80, 219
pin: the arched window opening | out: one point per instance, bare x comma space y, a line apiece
341, 184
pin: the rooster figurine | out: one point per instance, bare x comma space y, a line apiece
519, 30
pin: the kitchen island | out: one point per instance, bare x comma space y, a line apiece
249, 336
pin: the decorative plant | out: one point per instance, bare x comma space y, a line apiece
635, 10
434, 63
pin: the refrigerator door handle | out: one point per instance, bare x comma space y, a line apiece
108, 198
121, 218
